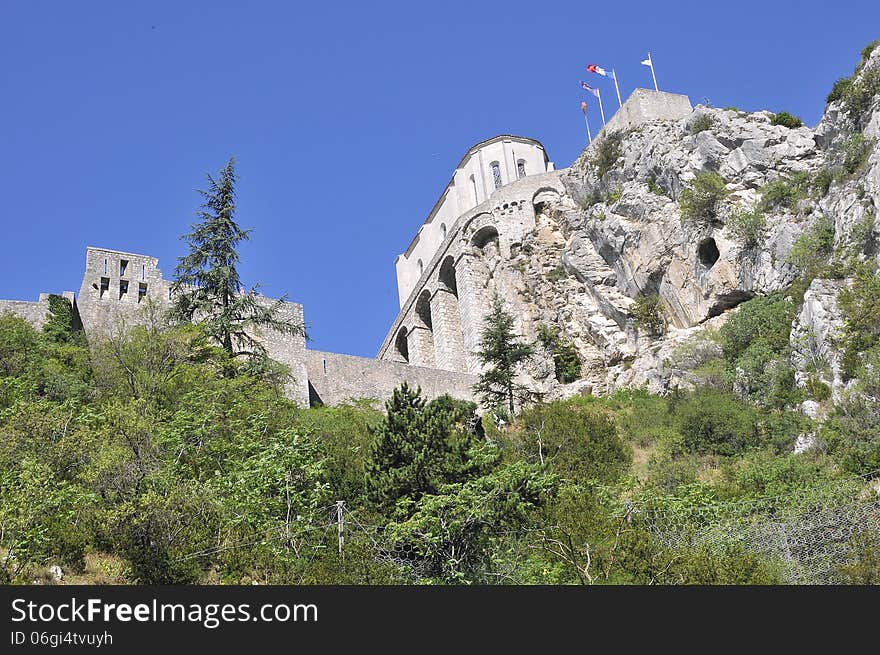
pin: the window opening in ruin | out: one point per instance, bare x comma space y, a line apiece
123, 288
324, 364
421, 268
105, 286
496, 173
443, 230
105, 266
474, 185
143, 271
521, 168
123, 264
142, 291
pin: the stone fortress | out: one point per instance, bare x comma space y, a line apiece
496, 197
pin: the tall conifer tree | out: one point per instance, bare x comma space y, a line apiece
208, 289
502, 354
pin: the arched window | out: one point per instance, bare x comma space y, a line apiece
442, 230
474, 185
520, 168
421, 268
496, 173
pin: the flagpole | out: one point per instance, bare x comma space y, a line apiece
586, 121
616, 88
656, 88
601, 111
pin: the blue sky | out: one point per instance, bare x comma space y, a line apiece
346, 119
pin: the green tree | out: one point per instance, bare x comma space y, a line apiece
208, 289
419, 447
502, 354
701, 201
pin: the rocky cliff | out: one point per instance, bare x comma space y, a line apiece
681, 221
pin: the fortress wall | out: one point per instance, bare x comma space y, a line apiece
646, 105
510, 213
337, 379
33, 312
290, 351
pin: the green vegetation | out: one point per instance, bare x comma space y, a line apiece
858, 92
608, 151
613, 196
701, 123
701, 201
813, 248
207, 283
747, 226
856, 152
755, 343
784, 192
655, 188
502, 354
786, 120
557, 273
648, 313
566, 362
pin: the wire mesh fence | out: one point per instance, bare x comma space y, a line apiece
810, 531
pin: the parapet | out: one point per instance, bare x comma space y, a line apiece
644, 105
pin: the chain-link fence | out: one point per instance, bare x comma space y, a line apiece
810, 531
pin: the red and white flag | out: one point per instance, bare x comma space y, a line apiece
592, 68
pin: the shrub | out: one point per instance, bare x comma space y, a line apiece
607, 153
714, 422
786, 120
613, 196
838, 89
566, 361
861, 334
700, 123
784, 192
648, 314
755, 342
813, 248
747, 226
654, 188
822, 182
859, 95
862, 565
576, 440
557, 273
701, 201
856, 152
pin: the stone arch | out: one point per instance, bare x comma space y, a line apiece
401, 347
446, 276
483, 236
446, 315
544, 198
423, 309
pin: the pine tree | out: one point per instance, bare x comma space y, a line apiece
208, 289
421, 446
502, 354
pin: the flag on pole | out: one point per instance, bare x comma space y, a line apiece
650, 64
592, 68
586, 121
588, 88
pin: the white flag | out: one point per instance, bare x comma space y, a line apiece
647, 62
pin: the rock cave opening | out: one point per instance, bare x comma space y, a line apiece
708, 253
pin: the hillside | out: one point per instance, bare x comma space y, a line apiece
705, 302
